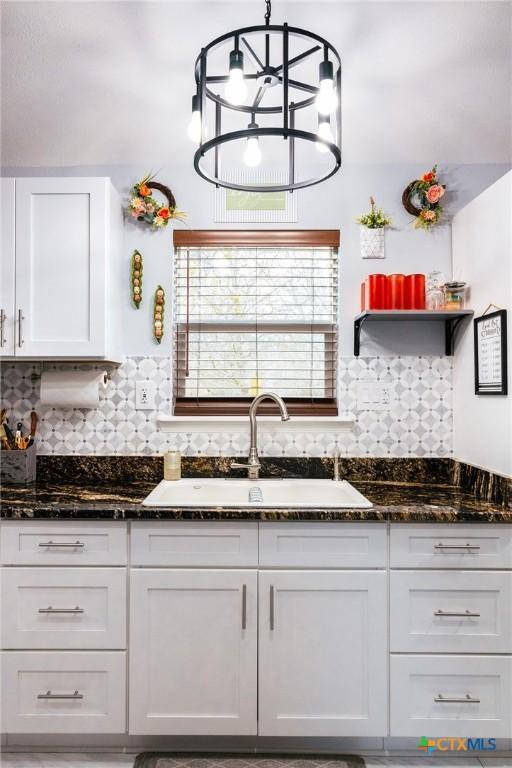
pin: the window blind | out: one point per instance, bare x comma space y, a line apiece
254, 319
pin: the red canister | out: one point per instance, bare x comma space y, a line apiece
363, 297
414, 292
396, 291
376, 291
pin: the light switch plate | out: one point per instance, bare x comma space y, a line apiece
375, 395
144, 395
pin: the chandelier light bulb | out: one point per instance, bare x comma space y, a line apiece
236, 89
326, 100
194, 127
252, 154
324, 132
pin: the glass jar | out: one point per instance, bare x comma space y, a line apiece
172, 465
435, 290
454, 295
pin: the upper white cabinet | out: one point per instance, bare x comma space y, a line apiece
322, 653
7, 268
61, 241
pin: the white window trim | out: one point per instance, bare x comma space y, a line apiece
344, 422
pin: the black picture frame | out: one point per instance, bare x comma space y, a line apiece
494, 324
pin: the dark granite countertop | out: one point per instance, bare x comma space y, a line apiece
393, 501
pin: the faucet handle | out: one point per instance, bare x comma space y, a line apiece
239, 465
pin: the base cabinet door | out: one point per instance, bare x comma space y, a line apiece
193, 657
322, 653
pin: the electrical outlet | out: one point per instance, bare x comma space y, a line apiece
374, 395
144, 395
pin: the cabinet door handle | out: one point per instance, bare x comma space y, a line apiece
74, 545
50, 695
61, 610
3, 318
20, 327
462, 614
272, 608
244, 606
467, 699
456, 546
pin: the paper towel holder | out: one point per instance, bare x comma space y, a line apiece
35, 376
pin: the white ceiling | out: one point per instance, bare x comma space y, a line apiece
106, 83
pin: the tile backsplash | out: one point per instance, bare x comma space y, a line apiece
415, 418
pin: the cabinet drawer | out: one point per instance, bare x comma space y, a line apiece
451, 546
451, 612
191, 544
62, 542
454, 695
63, 608
323, 545
63, 692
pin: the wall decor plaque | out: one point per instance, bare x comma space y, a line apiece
490, 337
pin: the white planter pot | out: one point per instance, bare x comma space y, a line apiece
372, 243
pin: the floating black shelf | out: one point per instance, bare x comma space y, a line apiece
451, 319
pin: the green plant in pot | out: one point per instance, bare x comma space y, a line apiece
373, 225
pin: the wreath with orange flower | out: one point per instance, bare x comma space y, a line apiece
146, 209
422, 197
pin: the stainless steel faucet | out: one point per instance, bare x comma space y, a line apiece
253, 465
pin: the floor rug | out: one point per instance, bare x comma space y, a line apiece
175, 760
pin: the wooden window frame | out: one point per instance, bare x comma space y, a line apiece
276, 238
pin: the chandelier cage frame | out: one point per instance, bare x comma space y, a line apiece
268, 75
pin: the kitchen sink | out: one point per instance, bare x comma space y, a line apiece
199, 492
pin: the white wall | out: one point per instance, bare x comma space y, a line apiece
482, 249
333, 204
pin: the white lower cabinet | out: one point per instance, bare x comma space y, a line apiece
56, 692
451, 696
451, 612
323, 653
80, 608
193, 658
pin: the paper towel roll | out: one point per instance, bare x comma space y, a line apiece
72, 389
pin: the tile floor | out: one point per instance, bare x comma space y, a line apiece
67, 760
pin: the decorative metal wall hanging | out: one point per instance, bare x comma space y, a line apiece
136, 278
247, 96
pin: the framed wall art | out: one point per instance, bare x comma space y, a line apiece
490, 337
233, 206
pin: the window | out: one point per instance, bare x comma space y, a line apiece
255, 312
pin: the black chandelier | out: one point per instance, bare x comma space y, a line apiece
322, 104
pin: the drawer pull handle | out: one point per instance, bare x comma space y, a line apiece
50, 695
244, 606
67, 544
272, 609
440, 699
456, 546
61, 610
461, 614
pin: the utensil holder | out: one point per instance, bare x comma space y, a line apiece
18, 467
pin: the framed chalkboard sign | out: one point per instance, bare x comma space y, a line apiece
491, 353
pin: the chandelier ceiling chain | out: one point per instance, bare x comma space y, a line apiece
268, 12
305, 114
